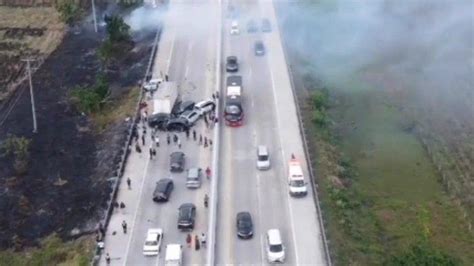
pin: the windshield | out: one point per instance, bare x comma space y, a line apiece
151, 243
276, 248
263, 157
233, 110
297, 183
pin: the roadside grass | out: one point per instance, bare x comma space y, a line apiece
34, 17
116, 110
392, 198
52, 252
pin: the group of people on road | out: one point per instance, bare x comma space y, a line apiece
198, 242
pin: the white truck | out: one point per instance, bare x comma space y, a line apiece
162, 104
174, 255
297, 184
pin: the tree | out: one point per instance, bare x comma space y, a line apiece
117, 29
69, 11
18, 147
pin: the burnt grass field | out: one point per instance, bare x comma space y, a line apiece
66, 183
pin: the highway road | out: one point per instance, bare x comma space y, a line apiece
244, 188
188, 56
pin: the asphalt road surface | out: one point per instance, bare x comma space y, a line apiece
244, 188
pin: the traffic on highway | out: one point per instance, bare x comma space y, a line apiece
264, 209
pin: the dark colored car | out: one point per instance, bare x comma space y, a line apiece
177, 124
266, 26
186, 216
232, 64
244, 225
259, 48
183, 107
163, 190
177, 161
252, 26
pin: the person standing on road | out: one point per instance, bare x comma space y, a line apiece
208, 173
196, 242
175, 138
157, 141
179, 143
107, 258
124, 226
143, 139
189, 240
129, 183
151, 153
194, 134
205, 121
203, 240
206, 200
187, 133
137, 148
154, 152
152, 138
205, 142
168, 139
200, 139
210, 142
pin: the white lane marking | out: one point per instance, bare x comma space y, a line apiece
250, 72
259, 208
292, 224
137, 208
186, 72
262, 244
171, 54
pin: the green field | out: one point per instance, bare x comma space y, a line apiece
392, 198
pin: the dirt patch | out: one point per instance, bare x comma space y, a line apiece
67, 181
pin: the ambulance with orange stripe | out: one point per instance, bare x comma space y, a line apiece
297, 184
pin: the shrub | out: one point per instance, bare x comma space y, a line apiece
320, 99
18, 147
69, 11
319, 117
90, 99
422, 254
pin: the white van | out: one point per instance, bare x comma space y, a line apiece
275, 248
174, 255
234, 28
263, 158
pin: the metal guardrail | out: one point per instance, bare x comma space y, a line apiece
314, 186
212, 226
126, 148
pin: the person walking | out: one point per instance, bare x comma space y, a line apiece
179, 143
189, 240
210, 142
175, 138
157, 141
129, 183
208, 173
124, 226
196, 242
206, 200
168, 139
206, 121
107, 258
194, 135
187, 133
200, 139
203, 240
143, 139
205, 142
137, 148
213, 96
151, 153
152, 138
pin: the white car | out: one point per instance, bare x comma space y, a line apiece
153, 84
263, 158
153, 242
191, 116
234, 28
204, 107
275, 248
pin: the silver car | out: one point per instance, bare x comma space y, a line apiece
193, 180
191, 116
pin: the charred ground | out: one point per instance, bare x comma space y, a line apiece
66, 182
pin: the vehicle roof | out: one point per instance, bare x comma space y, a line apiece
295, 168
235, 23
234, 80
194, 171
274, 236
177, 154
203, 102
187, 205
232, 57
152, 232
173, 252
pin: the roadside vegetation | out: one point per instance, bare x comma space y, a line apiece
18, 148
52, 251
382, 201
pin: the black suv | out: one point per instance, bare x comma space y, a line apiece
186, 216
163, 190
232, 65
177, 161
259, 48
244, 225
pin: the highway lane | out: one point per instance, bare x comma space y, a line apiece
189, 67
242, 186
